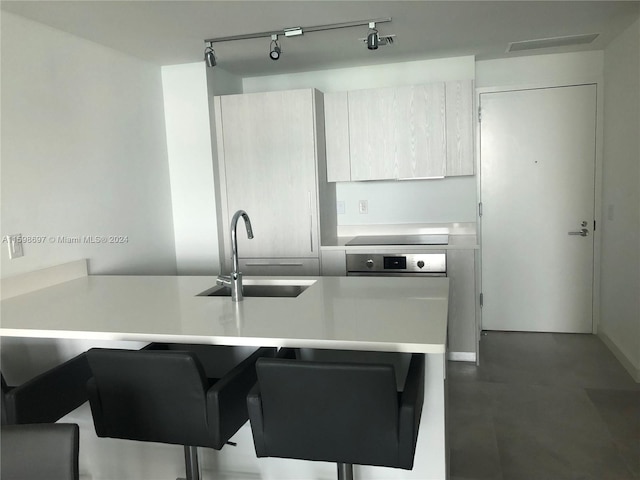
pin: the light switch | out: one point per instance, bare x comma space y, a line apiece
15, 245
340, 207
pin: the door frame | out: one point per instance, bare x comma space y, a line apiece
597, 237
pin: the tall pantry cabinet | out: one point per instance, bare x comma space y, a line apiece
271, 163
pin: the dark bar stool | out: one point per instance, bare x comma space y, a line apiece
49, 396
348, 413
33, 446
190, 395
36, 451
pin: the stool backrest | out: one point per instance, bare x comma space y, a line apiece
3, 402
156, 396
342, 412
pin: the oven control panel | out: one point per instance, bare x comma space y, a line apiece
434, 262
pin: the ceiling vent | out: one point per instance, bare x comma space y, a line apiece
551, 42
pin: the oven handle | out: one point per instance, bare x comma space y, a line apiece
396, 274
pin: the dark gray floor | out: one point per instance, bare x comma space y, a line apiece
543, 406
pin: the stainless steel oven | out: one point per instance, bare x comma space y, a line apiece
432, 263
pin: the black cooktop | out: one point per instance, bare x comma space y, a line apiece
399, 240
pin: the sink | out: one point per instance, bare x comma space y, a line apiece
289, 291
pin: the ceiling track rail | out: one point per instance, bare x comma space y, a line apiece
297, 30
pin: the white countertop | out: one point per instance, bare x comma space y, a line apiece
359, 313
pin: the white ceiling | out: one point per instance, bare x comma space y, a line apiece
173, 32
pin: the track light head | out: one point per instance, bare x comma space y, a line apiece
274, 48
275, 53
372, 38
210, 57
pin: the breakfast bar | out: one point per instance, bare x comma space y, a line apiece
405, 315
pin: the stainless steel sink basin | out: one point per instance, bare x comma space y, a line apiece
289, 291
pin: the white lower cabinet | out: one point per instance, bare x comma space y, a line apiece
334, 263
462, 304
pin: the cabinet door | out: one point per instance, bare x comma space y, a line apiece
269, 161
397, 132
336, 121
421, 131
460, 128
333, 263
371, 134
462, 304
273, 267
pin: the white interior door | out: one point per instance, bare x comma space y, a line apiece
537, 164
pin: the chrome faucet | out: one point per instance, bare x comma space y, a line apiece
234, 280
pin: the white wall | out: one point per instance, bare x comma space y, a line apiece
187, 89
422, 201
354, 78
620, 267
447, 200
83, 153
533, 70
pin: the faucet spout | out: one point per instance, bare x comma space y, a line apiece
236, 276
234, 236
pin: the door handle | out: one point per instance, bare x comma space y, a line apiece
583, 233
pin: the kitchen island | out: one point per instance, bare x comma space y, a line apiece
344, 313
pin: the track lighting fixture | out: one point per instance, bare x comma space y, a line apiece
373, 39
274, 48
210, 56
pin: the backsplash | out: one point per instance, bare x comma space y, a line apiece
444, 200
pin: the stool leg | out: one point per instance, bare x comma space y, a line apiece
191, 462
345, 471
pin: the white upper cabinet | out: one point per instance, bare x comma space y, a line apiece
397, 132
460, 158
336, 118
267, 164
400, 132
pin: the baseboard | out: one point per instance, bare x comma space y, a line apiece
619, 354
462, 356
224, 475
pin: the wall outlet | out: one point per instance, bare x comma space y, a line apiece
14, 242
363, 206
340, 207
